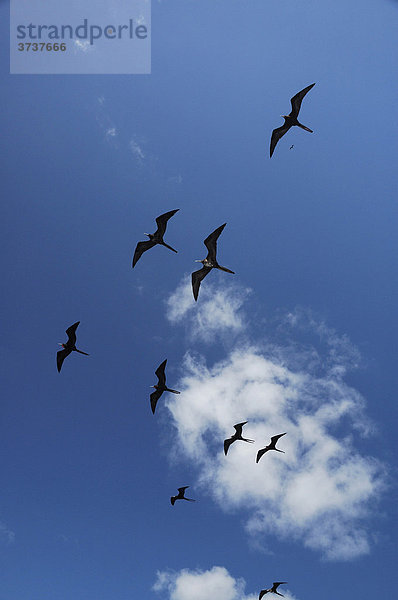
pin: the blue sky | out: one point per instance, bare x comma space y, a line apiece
302, 339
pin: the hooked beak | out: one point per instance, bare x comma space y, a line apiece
198, 261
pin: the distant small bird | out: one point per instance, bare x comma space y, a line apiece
180, 495
290, 119
210, 262
236, 436
161, 386
291, 147
69, 347
155, 238
270, 446
273, 589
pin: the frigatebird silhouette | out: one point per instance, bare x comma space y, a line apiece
210, 262
236, 436
271, 446
290, 119
161, 386
180, 495
155, 238
69, 347
273, 590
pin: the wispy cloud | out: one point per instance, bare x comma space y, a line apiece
84, 46
105, 122
137, 150
322, 490
219, 309
6, 535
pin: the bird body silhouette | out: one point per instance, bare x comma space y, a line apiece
69, 347
273, 590
160, 386
180, 495
210, 262
155, 238
271, 446
236, 436
291, 119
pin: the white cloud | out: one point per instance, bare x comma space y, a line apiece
111, 132
6, 534
137, 150
322, 490
83, 46
215, 583
218, 310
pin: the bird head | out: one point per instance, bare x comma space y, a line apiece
59, 344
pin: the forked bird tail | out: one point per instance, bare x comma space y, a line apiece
81, 352
226, 270
173, 391
304, 127
169, 247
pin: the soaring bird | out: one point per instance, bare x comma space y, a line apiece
161, 386
273, 589
210, 262
236, 436
155, 238
69, 347
291, 119
180, 495
271, 446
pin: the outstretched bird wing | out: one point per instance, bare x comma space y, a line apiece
276, 136
161, 221
277, 583
227, 444
211, 243
160, 374
71, 333
182, 489
173, 499
297, 100
274, 439
61, 355
197, 277
262, 593
260, 453
141, 248
154, 399
239, 427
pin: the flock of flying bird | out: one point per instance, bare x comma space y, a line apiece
209, 263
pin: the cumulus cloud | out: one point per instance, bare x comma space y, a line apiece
321, 491
202, 585
218, 311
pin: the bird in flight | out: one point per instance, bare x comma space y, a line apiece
155, 238
236, 436
161, 386
273, 590
210, 262
271, 446
290, 119
69, 347
180, 495
291, 147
